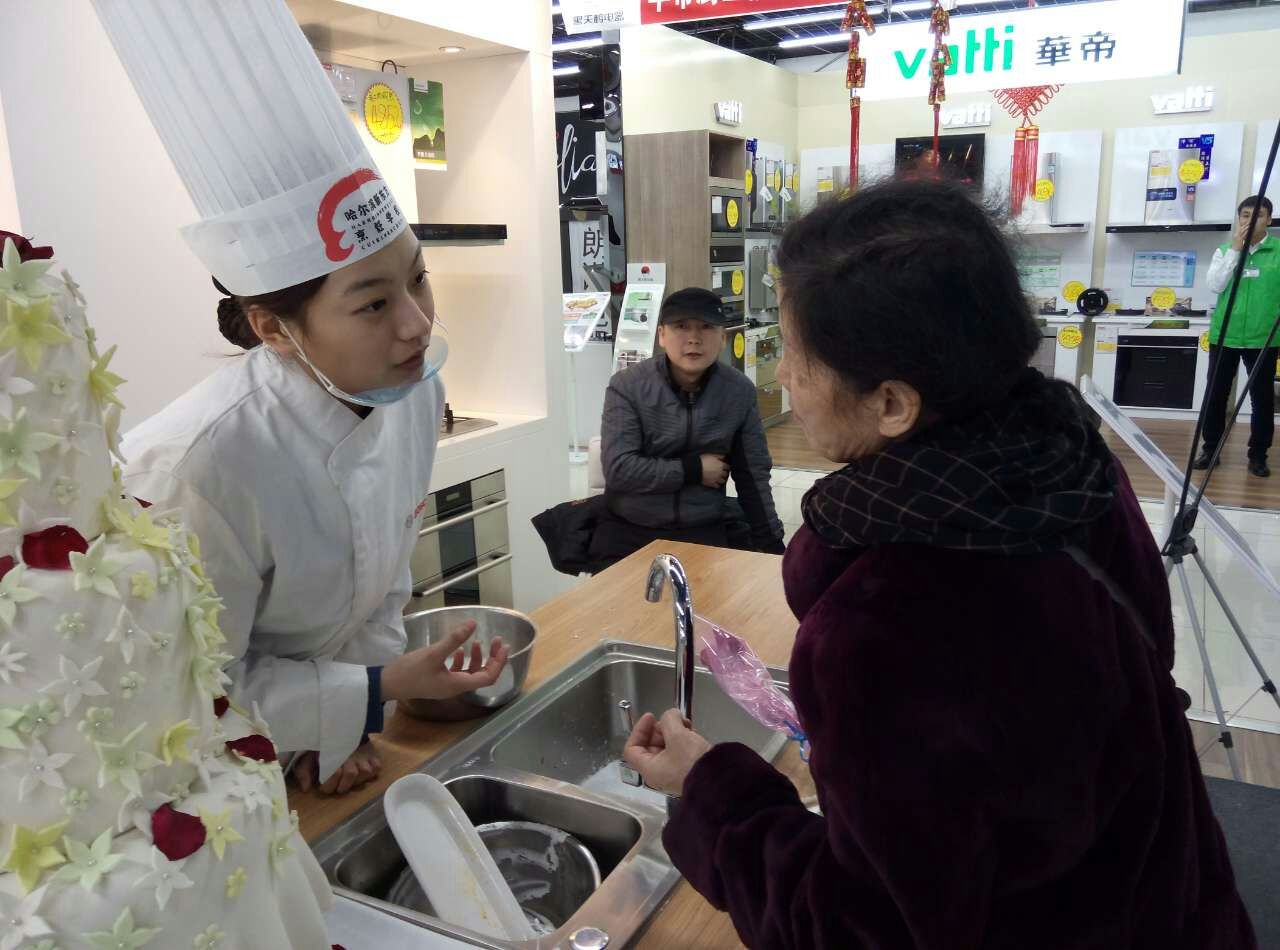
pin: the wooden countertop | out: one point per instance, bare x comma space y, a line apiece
739, 590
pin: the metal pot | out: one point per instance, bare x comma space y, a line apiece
550, 872
515, 629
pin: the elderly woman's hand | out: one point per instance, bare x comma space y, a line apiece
664, 752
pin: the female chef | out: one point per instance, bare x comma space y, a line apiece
303, 468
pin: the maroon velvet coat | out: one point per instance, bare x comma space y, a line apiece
1002, 762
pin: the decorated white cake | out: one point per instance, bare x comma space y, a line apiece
138, 808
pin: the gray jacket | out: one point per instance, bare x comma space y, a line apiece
652, 437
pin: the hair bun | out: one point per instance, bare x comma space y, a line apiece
234, 324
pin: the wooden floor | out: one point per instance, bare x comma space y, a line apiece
790, 449
1231, 485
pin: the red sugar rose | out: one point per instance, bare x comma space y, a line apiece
176, 834
220, 705
254, 747
6, 565
50, 550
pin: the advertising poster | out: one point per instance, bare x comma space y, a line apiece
426, 116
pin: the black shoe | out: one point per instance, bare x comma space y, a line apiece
1259, 469
1203, 459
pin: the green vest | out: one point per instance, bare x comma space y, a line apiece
1257, 302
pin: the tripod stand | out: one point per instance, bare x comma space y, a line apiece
1181, 543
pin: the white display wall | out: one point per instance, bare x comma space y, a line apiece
1118, 276
1216, 198
874, 161
1266, 132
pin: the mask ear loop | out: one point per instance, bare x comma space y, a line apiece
324, 380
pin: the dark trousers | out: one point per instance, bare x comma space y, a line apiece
1262, 397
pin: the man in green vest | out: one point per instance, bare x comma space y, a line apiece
1257, 308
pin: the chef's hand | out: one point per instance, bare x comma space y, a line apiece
423, 674
664, 752
361, 767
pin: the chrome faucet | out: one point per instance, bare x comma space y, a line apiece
666, 566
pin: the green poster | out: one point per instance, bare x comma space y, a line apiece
426, 112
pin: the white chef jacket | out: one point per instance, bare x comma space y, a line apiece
307, 516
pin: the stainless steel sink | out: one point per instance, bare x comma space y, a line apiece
553, 757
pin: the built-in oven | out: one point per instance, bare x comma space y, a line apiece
1156, 371
463, 554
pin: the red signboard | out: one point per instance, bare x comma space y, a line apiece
677, 11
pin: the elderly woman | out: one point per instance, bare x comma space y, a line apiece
983, 661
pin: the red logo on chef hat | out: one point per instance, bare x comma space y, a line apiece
357, 212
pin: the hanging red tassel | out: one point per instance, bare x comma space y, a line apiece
939, 63
856, 17
1024, 103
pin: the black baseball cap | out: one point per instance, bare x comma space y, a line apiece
693, 303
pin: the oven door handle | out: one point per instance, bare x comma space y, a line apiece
496, 561
463, 519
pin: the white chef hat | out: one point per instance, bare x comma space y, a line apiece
285, 189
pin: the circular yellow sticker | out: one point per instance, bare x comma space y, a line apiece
751, 180
1191, 171
731, 212
1204, 341
1162, 298
777, 179
1069, 337
795, 181
739, 346
738, 283
1071, 293
1044, 190
383, 114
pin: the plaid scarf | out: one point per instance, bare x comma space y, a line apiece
1024, 477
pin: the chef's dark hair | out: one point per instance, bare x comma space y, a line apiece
909, 281
288, 304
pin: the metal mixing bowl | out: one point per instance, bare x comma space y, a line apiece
550, 872
515, 629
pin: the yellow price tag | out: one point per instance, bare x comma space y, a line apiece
1069, 337
731, 212
1191, 171
1162, 298
1204, 341
751, 180
825, 186
1106, 347
738, 283
1044, 190
739, 346
383, 114
795, 181
1071, 293
777, 179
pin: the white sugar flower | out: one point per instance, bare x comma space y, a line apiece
38, 717
131, 683
124, 935
135, 812
75, 683
71, 625
88, 864
74, 434
129, 634
10, 663
165, 876
21, 919
20, 447
21, 281
75, 800
40, 769
94, 570
97, 723
58, 384
66, 491
12, 594
122, 762
11, 384
251, 790
72, 287
211, 939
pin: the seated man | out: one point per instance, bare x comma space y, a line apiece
675, 428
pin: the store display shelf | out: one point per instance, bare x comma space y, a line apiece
738, 298
774, 232
459, 235
1165, 228
1082, 228
728, 184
